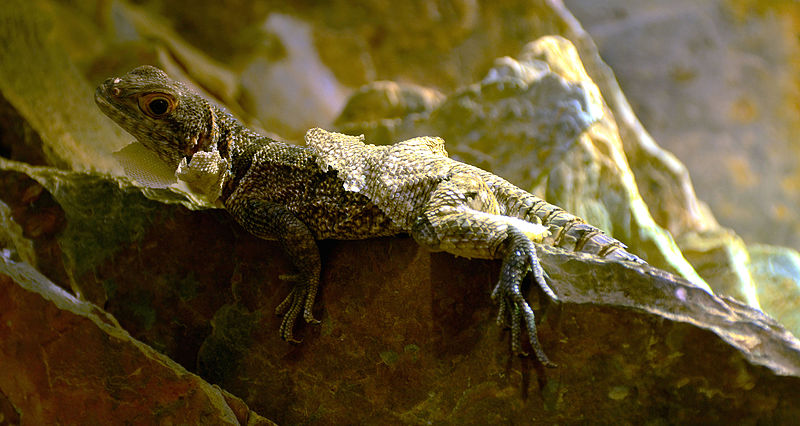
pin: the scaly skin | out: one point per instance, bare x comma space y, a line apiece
297, 195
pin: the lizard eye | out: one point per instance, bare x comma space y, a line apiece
157, 104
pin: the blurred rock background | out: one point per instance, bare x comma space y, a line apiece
716, 83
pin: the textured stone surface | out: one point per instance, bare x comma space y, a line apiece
88, 254
722, 258
424, 347
664, 181
68, 362
410, 336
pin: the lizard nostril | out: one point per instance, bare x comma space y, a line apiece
115, 91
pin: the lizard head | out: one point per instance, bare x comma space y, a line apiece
164, 115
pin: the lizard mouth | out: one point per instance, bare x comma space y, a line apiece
102, 98
107, 96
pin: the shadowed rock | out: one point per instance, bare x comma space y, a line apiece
410, 336
67, 362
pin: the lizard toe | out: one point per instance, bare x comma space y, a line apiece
287, 327
300, 300
290, 309
513, 308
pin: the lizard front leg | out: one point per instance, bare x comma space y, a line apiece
273, 221
462, 218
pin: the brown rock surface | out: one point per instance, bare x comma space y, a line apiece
424, 347
406, 335
67, 362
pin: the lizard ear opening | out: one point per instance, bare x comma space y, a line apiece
157, 105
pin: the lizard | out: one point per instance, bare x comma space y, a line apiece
339, 187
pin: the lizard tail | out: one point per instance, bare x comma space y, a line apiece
567, 231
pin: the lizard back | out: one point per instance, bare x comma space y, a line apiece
288, 174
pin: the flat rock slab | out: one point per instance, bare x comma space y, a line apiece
410, 337
407, 336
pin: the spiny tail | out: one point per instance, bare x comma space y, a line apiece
567, 231
570, 232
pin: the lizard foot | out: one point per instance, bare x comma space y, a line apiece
520, 256
300, 298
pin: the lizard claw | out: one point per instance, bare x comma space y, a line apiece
300, 298
520, 255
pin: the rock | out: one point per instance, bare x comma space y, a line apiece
67, 362
650, 344
722, 259
137, 37
711, 82
406, 335
664, 181
669, 191
88, 254
46, 98
33, 222
777, 271
27, 144
445, 45
540, 122
14, 244
388, 100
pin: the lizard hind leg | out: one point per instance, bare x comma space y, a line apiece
452, 223
520, 255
